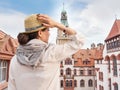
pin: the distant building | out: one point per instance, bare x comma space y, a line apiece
8, 47
108, 68
77, 72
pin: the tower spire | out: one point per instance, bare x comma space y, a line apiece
61, 36
64, 17
63, 6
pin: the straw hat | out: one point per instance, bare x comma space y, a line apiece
32, 24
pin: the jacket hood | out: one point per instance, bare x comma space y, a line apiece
31, 53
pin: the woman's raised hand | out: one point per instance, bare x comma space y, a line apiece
46, 20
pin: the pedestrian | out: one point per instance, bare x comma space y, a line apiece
35, 66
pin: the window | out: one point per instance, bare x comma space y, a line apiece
81, 72
74, 71
107, 58
90, 83
109, 66
82, 83
68, 83
109, 83
68, 71
107, 46
116, 43
102, 88
115, 86
114, 66
68, 61
75, 83
97, 61
3, 70
101, 76
61, 63
61, 83
89, 72
86, 62
61, 72
100, 61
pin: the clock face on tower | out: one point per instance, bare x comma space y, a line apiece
64, 16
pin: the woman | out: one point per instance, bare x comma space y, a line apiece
36, 63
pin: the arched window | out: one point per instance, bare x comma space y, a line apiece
90, 83
114, 65
107, 58
82, 83
115, 86
61, 83
74, 71
61, 72
68, 71
70, 83
75, 83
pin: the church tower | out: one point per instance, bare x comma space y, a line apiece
61, 36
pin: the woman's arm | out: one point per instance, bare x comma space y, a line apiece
50, 23
60, 52
56, 53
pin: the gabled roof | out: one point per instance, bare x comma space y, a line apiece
115, 31
2, 34
7, 43
87, 55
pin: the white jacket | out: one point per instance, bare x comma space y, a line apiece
46, 77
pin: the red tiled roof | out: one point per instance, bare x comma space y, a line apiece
115, 30
7, 43
87, 54
2, 34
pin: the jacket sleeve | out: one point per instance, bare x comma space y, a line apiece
11, 81
60, 52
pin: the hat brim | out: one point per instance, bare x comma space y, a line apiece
32, 31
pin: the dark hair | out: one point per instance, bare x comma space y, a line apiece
24, 38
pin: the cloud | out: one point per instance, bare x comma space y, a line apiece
11, 21
95, 19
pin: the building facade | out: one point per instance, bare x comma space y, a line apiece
108, 68
8, 47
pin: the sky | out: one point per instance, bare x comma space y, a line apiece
92, 18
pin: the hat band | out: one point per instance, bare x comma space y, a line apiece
34, 28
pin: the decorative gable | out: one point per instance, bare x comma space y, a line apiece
115, 31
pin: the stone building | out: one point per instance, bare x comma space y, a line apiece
108, 68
